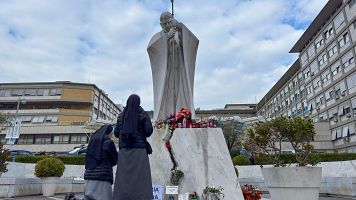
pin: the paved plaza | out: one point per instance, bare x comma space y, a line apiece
61, 197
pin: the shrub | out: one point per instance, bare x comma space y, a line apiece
49, 167
68, 160
241, 160
267, 138
4, 153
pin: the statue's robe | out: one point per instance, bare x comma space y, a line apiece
173, 67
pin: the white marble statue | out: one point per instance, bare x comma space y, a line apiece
172, 53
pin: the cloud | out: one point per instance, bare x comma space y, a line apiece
243, 46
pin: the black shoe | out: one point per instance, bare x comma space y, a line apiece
69, 196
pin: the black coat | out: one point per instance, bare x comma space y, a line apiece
104, 172
144, 131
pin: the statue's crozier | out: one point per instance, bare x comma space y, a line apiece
172, 53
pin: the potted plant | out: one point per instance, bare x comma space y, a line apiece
299, 182
251, 192
212, 193
49, 170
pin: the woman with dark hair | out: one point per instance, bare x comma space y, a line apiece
133, 176
101, 156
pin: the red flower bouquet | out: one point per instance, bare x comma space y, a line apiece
251, 192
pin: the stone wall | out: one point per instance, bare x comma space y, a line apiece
338, 178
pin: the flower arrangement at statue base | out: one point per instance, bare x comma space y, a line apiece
212, 193
193, 196
251, 192
183, 119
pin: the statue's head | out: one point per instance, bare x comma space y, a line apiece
166, 21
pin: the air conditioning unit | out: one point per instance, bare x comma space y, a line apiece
348, 115
343, 94
312, 74
336, 120
318, 108
346, 139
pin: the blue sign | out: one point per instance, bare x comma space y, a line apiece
157, 192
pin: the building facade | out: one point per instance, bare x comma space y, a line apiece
230, 110
54, 115
321, 84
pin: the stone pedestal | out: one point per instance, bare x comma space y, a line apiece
201, 154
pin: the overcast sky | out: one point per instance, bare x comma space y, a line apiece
243, 48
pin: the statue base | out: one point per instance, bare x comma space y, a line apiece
203, 157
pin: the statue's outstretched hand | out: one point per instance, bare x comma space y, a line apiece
172, 32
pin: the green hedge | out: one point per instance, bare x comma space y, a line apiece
241, 160
68, 160
262, 159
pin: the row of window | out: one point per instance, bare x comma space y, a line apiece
49, 139
343, 131
30, 92
39, 119
328, 33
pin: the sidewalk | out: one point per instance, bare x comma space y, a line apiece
61, 197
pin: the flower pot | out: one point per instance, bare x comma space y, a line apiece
49, 185
211, 196
293, 183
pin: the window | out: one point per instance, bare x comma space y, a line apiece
40, 92
340, 88
25, 139
53, 92
316, 83
353, 103
321, 100
61, 139
323, 117
339, 20
311, 106
309, 89
306, 73
334, 134
313, 68
319, 43
300, 76
325, 76
347, 59
311, 51
302, 92
332, 49
333, 117
78, 139
335, 68
322, 59
26, 119
45, 92
304, 58
344, 39
329, 95
328, 32
38, 119
58, 91
42, 139
351, 81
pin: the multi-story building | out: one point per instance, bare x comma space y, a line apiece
54, 115
230, 110
321, 84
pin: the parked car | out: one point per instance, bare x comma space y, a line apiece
20, 152
76, 151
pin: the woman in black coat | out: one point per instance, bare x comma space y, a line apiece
133, 176
100, 158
